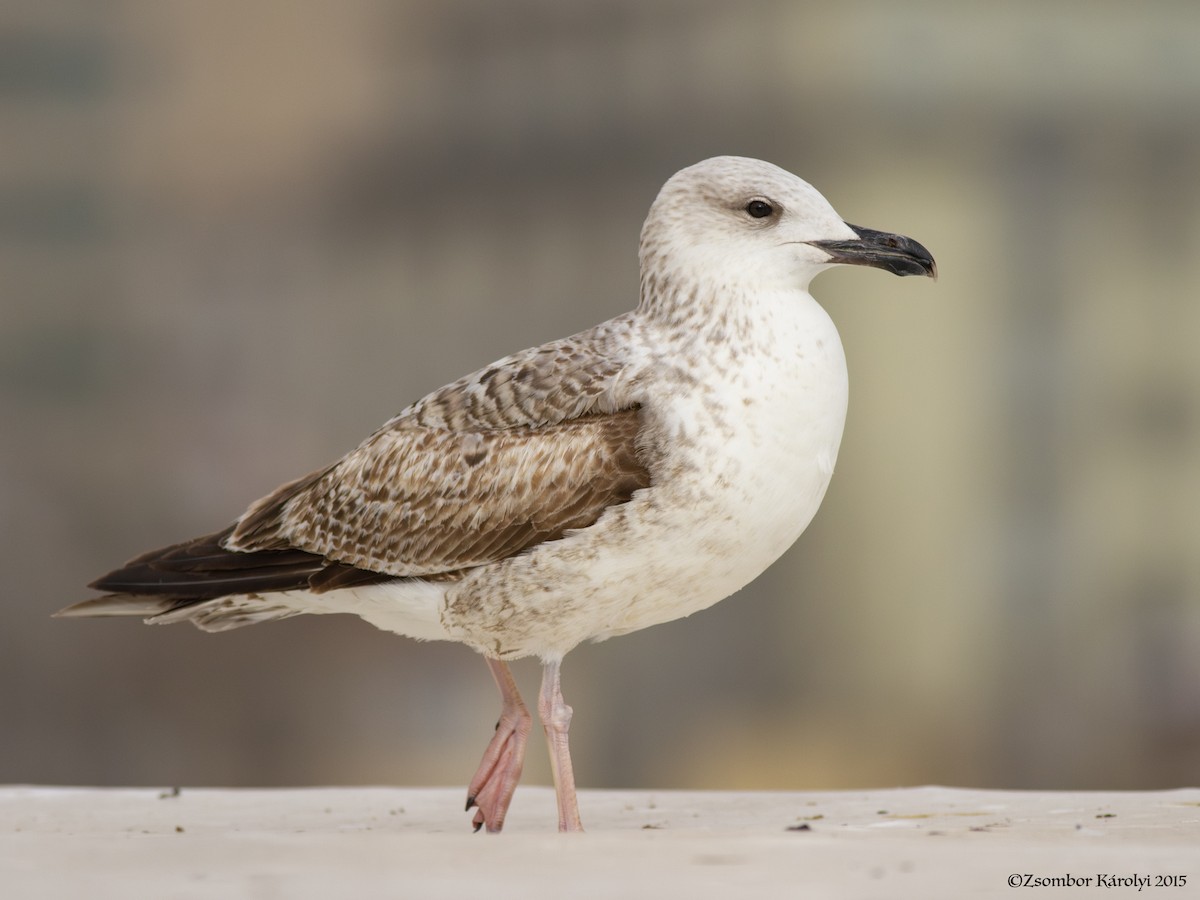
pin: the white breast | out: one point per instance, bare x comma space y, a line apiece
748, 431
766, 438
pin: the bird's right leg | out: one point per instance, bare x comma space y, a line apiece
491, 790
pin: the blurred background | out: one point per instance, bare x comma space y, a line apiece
236, 237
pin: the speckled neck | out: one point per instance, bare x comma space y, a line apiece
691, 312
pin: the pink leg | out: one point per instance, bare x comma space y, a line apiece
556, 719
491, 790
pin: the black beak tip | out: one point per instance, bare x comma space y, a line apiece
923, 265
904, 265
898, 254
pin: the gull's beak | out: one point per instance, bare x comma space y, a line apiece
898, 254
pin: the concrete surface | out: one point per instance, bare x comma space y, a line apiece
393, 842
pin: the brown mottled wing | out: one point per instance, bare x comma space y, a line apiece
420, 501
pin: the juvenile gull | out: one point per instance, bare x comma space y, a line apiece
632, 474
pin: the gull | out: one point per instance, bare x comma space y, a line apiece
631, 474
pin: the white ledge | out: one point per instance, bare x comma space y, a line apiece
925, 842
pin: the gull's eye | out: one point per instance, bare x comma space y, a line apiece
759, 209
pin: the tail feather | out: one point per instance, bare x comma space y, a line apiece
120, 605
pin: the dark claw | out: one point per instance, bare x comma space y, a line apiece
470, 803
478, 825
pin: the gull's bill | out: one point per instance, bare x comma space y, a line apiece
895, 253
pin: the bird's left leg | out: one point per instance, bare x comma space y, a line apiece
491, 790
556, 719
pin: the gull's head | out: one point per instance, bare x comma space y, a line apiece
745, 223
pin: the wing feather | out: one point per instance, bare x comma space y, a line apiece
419, 501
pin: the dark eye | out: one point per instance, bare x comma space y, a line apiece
759, 209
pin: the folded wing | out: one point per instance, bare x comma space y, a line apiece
416, 501
518, 454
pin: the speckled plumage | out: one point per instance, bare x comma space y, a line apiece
631, 474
